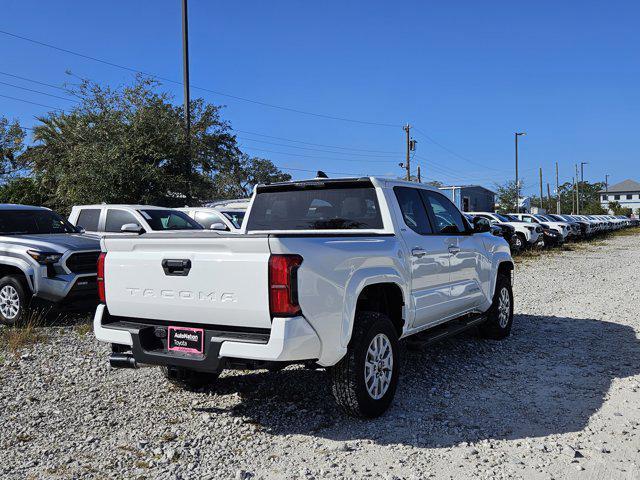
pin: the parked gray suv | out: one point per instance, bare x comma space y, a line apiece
45, 257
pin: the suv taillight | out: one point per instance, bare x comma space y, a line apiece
283, 285
100, 279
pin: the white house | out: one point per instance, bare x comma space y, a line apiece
626, 193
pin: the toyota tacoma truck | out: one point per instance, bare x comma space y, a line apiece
43, 257
326, 272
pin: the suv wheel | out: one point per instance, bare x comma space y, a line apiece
500, 315
13, 299
364, 382
188, 379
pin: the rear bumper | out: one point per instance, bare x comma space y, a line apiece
290, 339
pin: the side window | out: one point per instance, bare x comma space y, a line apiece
88, 219
412, 208
446, 216
206, 219
526, 219
117, 218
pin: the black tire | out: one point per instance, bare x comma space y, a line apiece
14, 293
518, 242
349, 386
497, 327
188, 379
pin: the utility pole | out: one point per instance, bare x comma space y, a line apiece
541, 197
557, 192
548, 196
187, 101
407, 128
577, 192
517, 134
419, 178
606, 182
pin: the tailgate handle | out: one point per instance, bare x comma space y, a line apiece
178, 268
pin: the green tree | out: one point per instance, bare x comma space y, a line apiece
22, 190
128, 145
12, 137
506, 196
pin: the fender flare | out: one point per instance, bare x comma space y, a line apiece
498, 259
357, 282
26, 269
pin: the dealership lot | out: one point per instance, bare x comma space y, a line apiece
559, 399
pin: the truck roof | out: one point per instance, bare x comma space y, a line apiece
123, 205
376, 181
16, 206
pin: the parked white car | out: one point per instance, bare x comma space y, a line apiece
211, 218
329, 272
109, 219
560, 227
526, 235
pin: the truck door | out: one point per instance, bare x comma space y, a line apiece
427, 256
467, 269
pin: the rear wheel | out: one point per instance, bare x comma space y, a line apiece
500, 315
187, 378
14, 299
364, 382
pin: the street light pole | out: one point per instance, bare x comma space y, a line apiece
517, 134
187, 101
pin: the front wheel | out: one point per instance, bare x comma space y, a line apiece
500, 315
14, 299
364, 382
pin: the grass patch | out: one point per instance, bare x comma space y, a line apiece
83, 328
26, 332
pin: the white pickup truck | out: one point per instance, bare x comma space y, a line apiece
326, 272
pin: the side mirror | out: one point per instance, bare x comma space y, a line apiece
481, 225
80, 229
219, 226
132, 228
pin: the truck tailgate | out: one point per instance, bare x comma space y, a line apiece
224, 280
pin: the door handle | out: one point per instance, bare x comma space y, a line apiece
418, 252
453, 250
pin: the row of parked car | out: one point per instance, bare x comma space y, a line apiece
529, 230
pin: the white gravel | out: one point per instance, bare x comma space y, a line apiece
559, 399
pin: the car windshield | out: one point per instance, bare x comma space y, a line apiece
502, 218
234, 217
169, 220
33, 222
511, 218
542, 218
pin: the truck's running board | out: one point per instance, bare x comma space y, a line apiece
448, 329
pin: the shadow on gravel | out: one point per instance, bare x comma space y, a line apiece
549, 377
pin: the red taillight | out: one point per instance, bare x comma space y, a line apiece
100, 279
283, 285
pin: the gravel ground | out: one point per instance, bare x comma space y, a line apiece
559, 399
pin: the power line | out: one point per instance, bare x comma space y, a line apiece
447, 149
317, 157
317, 144
39, 92
38, 82
32, 103
368, 155
222, 94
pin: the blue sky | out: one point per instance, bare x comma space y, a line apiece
467, 74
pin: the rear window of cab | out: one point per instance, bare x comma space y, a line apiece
351, 206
